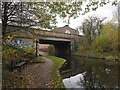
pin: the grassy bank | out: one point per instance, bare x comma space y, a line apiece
106, 56
56, 80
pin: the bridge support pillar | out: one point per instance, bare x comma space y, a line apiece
36, 48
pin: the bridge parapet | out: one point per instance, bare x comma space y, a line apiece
44, 33
37, 33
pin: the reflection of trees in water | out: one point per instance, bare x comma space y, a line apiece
91, 80
99, 75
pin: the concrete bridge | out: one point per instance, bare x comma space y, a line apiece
63, 42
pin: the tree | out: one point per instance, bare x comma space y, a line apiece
119, 14
91, 27
107, 41
8, 9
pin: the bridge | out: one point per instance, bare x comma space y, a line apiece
63, 42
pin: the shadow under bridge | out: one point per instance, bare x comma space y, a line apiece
62, 46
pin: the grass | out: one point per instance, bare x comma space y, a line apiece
56, 80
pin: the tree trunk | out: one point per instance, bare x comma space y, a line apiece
4, 20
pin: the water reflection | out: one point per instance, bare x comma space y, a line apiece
90, 73
74, 82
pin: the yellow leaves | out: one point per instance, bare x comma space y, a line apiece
29, 50
9, 38
10, 52
5, 52
14, 52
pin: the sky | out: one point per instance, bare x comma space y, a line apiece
105, 11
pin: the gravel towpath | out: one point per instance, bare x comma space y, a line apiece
38, 74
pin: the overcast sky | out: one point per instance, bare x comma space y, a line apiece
105, 11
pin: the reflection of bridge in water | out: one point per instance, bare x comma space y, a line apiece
63, 42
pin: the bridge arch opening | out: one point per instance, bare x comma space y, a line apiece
62, 47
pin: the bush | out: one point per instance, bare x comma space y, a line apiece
51, 50
107, 41
40, 59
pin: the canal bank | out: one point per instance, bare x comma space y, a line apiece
56, 79
104, 56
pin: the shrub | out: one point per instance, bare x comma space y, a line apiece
107, 41
40, 59
51, 50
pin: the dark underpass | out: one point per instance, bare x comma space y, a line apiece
62, 46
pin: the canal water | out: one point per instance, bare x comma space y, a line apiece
81, 72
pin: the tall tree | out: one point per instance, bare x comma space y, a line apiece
91, 27
8, 10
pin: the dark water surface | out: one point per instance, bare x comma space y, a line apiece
81, 72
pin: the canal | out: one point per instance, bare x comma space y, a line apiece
82, 72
